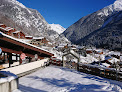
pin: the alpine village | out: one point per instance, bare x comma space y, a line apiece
39, 57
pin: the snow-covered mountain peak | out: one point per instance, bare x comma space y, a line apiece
111, 9
58, 28
16, 2
119, 0
117, 5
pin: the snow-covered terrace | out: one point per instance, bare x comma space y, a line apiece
59, 79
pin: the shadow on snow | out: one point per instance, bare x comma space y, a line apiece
70, 86
29, 89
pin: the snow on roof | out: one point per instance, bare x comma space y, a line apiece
23, 42
38, 38
101, 57
28, 36
114, 53
60, 46
1, 24
105, 65
73, 48
16, 32
114, 60
88, 49
80, 47
8, 28
98, 50
2, 28
63, 44
87, 59
49, 43
83, 60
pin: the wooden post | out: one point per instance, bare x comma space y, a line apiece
63, 61
10, 59
20, 60
4, 57
29, 59
16, 57
78, 64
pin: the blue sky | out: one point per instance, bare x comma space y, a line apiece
65, 12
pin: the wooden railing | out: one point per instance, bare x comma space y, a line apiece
55, 61
110, 73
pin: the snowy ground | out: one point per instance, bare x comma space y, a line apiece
59, 79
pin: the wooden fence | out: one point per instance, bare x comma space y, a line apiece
109, 73
55, 61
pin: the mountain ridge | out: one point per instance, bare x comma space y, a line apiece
79, 31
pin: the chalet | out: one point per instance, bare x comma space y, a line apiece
19, 34
66, 46
7, 30
98, 52
34, 42
44, 40
40, 40
60, 48
3, 25
20, 51
89, 51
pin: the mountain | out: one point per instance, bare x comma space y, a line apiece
58, 28
30, 21
94, 28
109, 37
22, 18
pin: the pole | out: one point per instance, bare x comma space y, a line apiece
10, 59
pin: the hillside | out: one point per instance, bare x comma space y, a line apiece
30, 21
109, 37
88, 26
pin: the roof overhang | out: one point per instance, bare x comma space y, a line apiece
20, 46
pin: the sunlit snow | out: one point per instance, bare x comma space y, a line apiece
59, 79
58, 28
